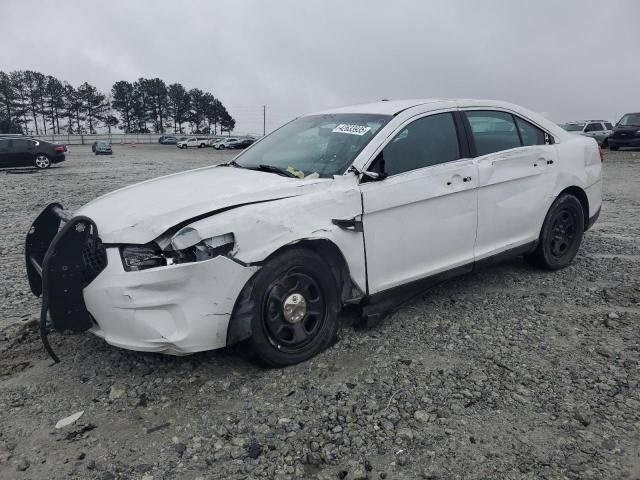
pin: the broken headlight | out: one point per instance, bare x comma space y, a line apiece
142, 257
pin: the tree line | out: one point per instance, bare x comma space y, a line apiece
34, 103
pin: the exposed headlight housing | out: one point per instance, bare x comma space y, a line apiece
143, 257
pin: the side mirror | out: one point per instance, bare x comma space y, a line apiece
374, 176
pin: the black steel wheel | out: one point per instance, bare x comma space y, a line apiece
561, 233
293, 302
293, 310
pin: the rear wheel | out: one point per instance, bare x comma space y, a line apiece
202, 145
221, 147
293, 302
41, 161
561, 234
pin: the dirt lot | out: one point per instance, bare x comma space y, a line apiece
510, 372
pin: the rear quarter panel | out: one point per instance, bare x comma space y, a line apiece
579, 165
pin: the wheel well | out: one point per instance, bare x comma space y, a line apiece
584, 201
240, 322
350, 293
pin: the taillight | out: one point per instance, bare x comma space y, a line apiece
601, 153
58, 148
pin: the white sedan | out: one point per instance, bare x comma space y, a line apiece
357, 205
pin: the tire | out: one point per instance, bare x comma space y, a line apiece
221, 147
605, 143
41, 161
561, 234
278, 301
202, 145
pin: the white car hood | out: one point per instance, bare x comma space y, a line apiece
140, 213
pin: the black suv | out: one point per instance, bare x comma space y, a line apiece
626, 133
29, 152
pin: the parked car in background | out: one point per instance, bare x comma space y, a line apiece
225, 143
103, 148
29, 152
168, 140
626, 132
265, 250
191, 142
242, 143
600, 130
215, 140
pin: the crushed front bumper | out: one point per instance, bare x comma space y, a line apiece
176, 309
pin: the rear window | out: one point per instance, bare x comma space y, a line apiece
493, 131
608, 126
573, 127
530, 134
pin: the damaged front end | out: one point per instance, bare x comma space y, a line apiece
63, 255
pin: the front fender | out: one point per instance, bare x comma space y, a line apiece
262, 229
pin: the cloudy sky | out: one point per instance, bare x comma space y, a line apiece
572, 59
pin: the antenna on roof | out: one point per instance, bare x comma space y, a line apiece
384, 100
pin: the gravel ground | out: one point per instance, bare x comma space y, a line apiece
510, 372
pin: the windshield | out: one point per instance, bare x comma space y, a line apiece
573, 127
325, 145
630, 119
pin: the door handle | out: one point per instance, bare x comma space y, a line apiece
466, 179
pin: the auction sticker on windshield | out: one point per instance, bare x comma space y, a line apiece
351, 129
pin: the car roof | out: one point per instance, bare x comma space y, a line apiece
394, 107
575, 122
424, 105
382, 107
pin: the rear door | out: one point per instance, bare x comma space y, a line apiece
421, 219
515, 161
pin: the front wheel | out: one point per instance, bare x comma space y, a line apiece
293, 302
41, 161
221, 147
561, 234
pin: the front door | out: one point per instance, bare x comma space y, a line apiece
421, 219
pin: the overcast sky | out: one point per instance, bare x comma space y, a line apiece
572, 59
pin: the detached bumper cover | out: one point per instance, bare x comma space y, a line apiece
60, 262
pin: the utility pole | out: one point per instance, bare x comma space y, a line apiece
264, 120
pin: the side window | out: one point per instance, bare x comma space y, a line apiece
22, 145
493, 131
594, 127
530, 134
425, 142
608, 126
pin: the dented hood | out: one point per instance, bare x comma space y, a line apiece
140, 213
